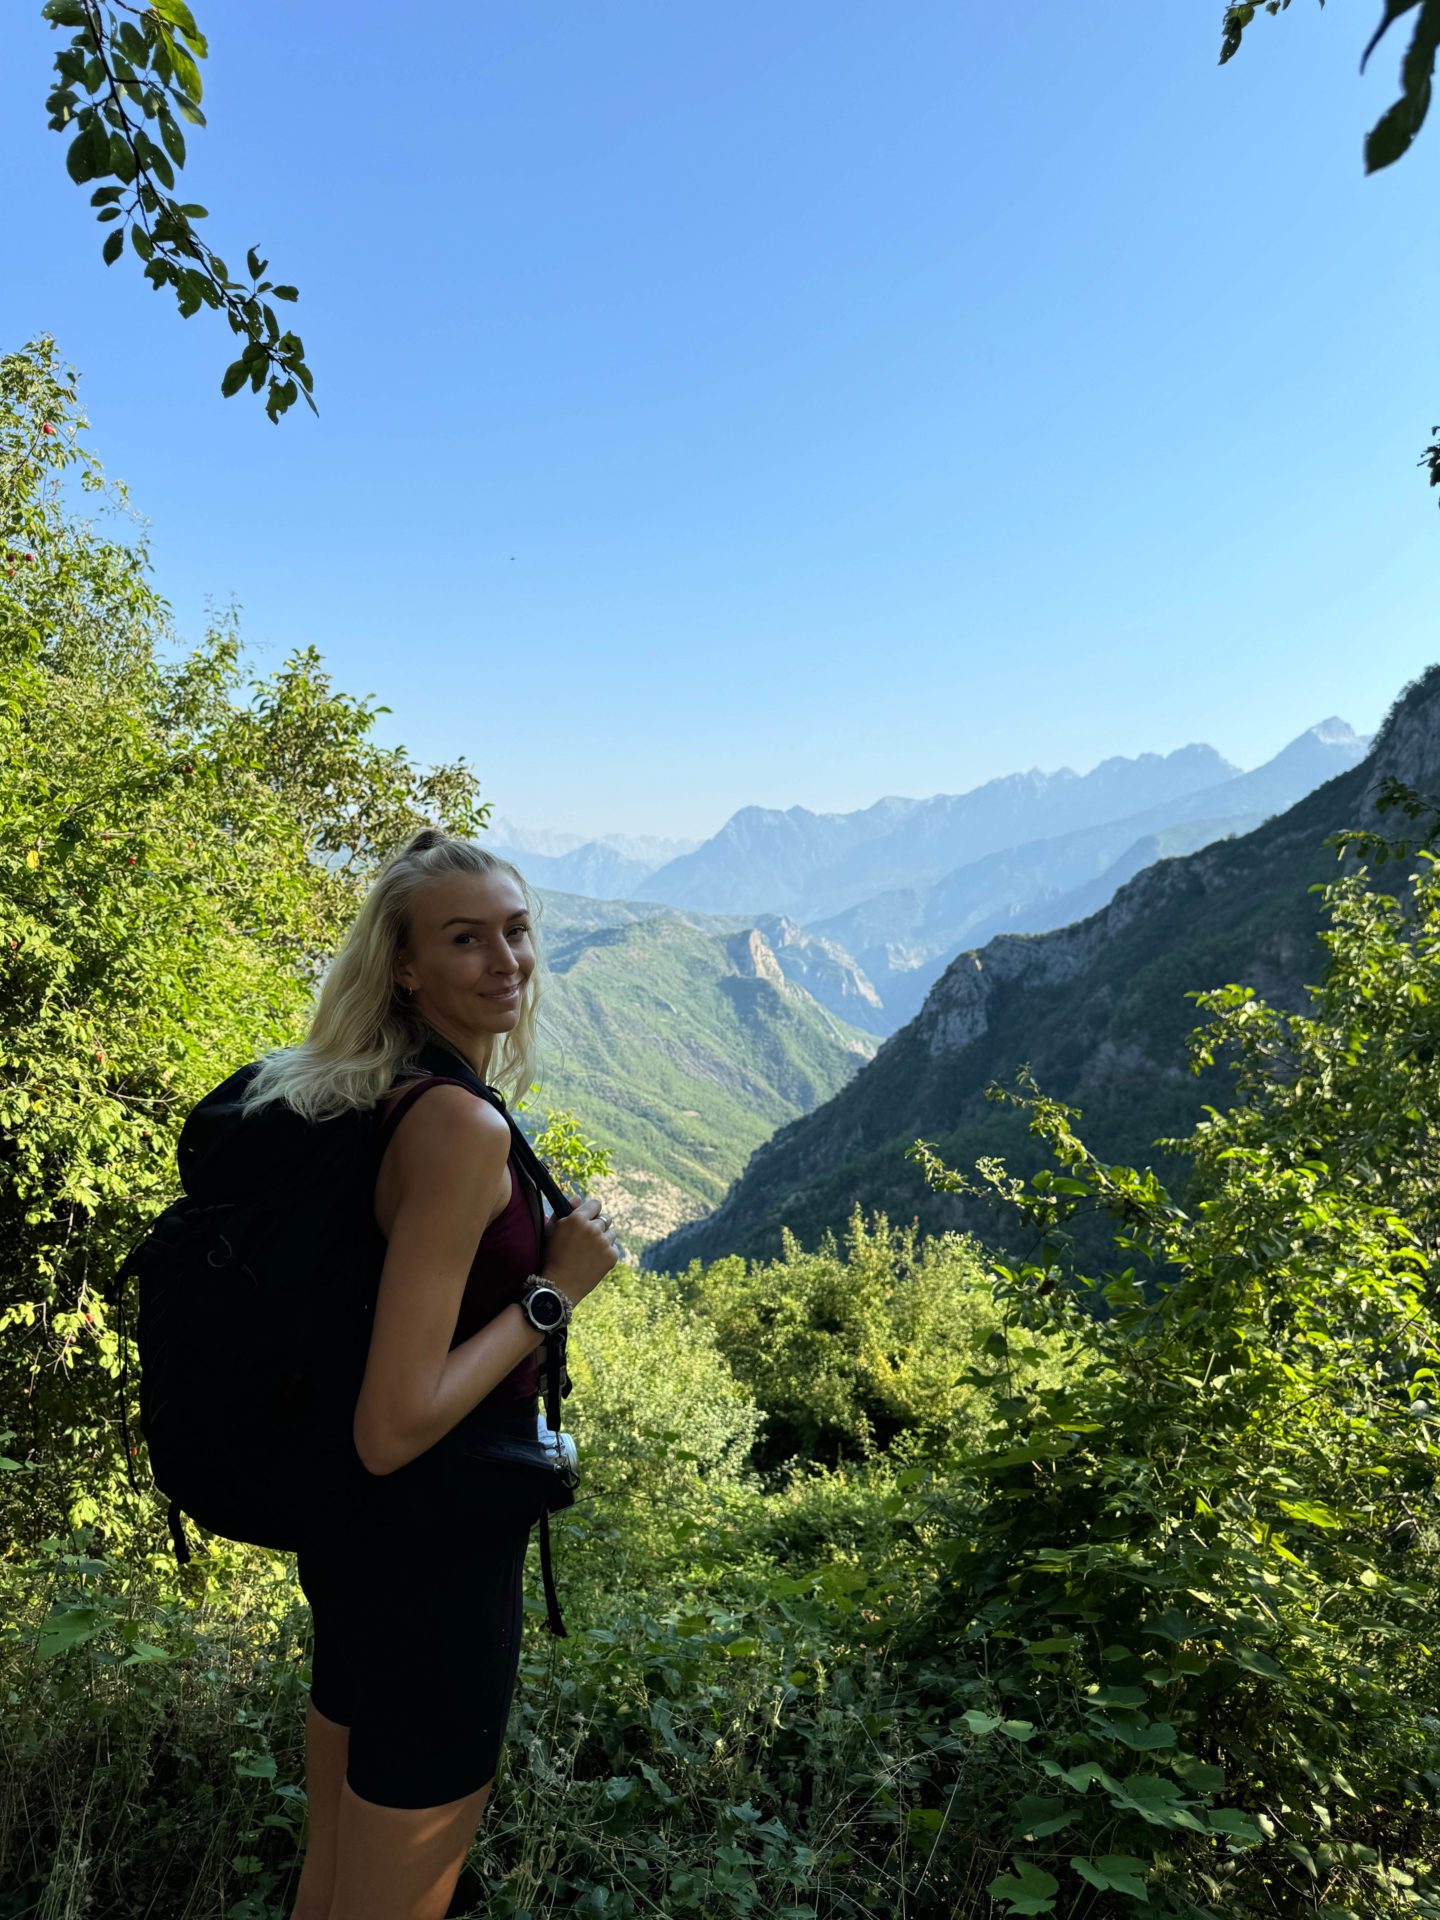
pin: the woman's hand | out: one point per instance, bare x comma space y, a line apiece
580, 1249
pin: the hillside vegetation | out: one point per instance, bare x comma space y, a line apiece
682, 1046
905, 1579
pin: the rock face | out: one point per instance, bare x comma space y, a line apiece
752, 954
1097, 1009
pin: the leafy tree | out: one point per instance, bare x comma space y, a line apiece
176, 862
122, 88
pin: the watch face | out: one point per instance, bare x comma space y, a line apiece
547, 1308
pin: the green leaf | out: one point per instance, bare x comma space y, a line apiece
1116, 1696
187, 74
114, 246
285, 293
1201, 1776
122, 160
172, 136
1391, 135
80, 158
143, 1654
1231, 1822
179, 15
1040, 1814
1254, 1662
132, 44
235, 376
1083, 1777
1143, 1736
1312, 1513
1028, 1890
1156, 1800
68, 1627
63, 13
1114, 1873
1393, 11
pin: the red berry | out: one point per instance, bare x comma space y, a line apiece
47, 428
91, 1318
132, 859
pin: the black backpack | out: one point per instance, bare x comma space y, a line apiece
257, 1291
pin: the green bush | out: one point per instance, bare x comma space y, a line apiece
1201, 1574
663, 1427
844, 1351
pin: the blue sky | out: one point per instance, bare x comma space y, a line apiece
727, 405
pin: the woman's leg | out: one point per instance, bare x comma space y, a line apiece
401, 1863
327, 1749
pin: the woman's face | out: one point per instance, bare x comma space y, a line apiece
469, 940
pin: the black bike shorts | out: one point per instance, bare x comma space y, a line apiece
416, 1594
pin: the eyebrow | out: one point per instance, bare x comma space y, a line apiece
469, 920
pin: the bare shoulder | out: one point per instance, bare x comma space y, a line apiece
450, 1134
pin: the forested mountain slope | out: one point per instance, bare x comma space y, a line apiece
1097, 1009
678, 1044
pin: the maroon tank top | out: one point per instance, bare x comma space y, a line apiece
509, 1251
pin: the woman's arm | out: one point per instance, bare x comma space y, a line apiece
450, 1154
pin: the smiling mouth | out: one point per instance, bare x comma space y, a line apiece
506, 993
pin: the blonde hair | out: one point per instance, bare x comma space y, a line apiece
364, 1035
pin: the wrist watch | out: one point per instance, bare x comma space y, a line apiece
544, 1305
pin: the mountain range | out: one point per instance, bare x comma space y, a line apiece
1096, 1007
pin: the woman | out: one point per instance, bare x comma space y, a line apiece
415, 1594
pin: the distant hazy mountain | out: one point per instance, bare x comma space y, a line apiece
904, 938
679, 1043
1097, 1009
604, 866
809, 865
